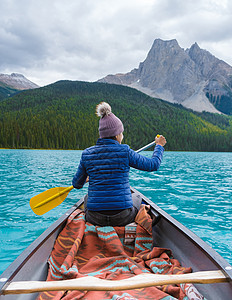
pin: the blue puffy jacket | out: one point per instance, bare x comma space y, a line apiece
107, 164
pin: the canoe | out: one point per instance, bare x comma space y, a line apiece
167, 232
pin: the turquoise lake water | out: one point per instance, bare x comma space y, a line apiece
194, 187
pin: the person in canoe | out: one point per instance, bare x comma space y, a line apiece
106, 166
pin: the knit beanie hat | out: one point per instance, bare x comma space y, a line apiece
109, 124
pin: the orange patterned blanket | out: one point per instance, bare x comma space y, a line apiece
113, 253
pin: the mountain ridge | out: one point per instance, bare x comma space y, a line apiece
193, 77
11, 84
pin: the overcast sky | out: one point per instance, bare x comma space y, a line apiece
50, 40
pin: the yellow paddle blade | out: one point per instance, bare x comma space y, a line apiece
44, 202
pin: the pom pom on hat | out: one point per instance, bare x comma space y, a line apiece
103, 109
109, 124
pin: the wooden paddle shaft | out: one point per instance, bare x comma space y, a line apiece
96, 284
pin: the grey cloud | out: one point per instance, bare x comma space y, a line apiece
88, 39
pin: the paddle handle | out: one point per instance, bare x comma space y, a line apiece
91, 283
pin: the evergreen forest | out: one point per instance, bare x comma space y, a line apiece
6, 91
62, 116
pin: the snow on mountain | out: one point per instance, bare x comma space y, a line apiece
17, 81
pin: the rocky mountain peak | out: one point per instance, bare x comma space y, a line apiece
191, 77
158, 43
169, 69
161, 50
17, 75
195, 47
17, 81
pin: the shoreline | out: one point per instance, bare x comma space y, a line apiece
53, 149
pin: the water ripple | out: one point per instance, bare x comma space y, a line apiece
195, 188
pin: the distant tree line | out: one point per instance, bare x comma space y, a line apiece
62, 116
